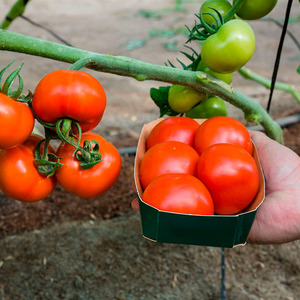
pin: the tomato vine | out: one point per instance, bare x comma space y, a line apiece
124, 66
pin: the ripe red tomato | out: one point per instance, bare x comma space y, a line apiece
167, 157
92, 182
16, 122
179, 193
70, 94
180, 129
230, 174
19, 178
222, 129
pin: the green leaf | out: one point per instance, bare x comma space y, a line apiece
131, 45
298, 70
160, 98
171, 46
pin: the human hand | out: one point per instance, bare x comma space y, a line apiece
278, 218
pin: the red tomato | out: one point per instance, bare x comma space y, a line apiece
16, 122
179, 193
167, 157
230, 174
92, 182
70, 94
180, 129
19, 178
222, 130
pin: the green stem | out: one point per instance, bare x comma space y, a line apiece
46, 146
235, 7
141, 71
81, 63
16, 10
248, 74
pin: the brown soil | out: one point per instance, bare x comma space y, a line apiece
66, 247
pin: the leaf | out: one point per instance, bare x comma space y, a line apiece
160, 98
172, 46
149, 14
298, 70
131, 45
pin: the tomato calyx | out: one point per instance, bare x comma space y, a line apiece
65, 133
202, 30
7, 86
88, 154
46, 163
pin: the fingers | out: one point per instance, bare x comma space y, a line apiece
135, 204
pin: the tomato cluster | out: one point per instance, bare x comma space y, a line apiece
200, 169
68, 104
227, 44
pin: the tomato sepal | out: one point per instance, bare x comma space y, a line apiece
46, 163
89, 154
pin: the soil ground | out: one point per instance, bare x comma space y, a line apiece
65, 247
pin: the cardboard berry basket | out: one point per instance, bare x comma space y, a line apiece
216, 230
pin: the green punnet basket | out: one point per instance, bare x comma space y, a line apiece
217, 230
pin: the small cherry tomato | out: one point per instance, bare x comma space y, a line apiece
219, 130
180, 129
70, 94
211, 107
179, 193
253, 9
16, 122
181, 98
230, 174
19, 178
92, 182
167, 157
222, 6
230, 48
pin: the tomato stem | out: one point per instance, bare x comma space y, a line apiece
89, 154
235, 7
134, 68
81, 63
42, 162
64, 131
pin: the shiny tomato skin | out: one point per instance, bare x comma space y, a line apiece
180, 129
19, 178
16, 122
179, 193
230, 48
222, 6
181, 98
70, 94
167, 157
222, 129
230, 174
88, 183
211, 107
254, 9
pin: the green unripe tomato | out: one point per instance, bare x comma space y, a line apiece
230, 48
222, 6
181, 98
224, 77
254, 9
211, 107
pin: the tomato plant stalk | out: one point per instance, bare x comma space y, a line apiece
125, 66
